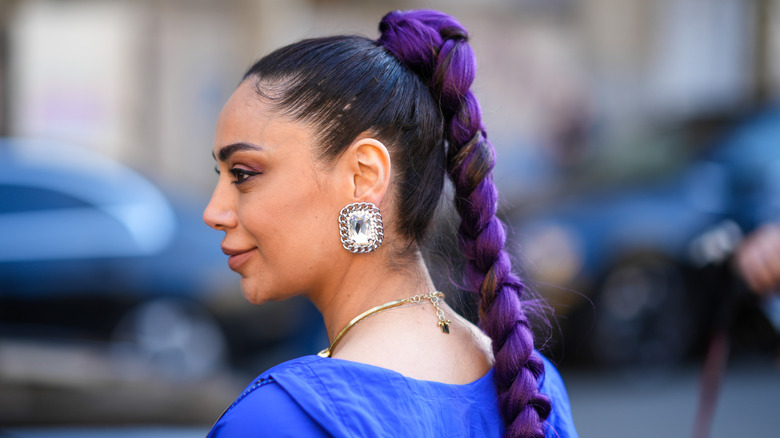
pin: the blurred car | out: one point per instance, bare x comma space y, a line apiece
623, 266
92, 251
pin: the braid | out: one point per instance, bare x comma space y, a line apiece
434, 45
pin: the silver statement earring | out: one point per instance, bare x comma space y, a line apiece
361, 227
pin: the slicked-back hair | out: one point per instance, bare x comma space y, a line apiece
345, 86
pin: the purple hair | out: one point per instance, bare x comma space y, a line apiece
435, 46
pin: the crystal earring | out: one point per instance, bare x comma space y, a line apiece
361, 227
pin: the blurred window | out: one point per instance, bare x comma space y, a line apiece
17, 199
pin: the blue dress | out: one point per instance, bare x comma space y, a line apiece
318, 397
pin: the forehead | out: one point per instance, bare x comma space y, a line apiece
246, 117
244, 111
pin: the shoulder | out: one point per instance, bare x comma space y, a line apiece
315, 396
266, 409
560, 422
308, 396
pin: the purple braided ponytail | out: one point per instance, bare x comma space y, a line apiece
434, 46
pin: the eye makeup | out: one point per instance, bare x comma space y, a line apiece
241, 175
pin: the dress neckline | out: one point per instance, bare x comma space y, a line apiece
487, 377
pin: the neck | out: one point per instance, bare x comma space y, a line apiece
367, 282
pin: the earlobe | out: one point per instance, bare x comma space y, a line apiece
370, 171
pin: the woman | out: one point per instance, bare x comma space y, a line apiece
332, 154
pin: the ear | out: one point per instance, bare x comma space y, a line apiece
368, 165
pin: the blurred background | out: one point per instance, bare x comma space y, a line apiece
639, 143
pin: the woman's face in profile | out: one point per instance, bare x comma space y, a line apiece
273, 201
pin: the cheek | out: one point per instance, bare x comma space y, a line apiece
296, 228
313, 226
318, 245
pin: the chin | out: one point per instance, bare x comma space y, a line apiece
252, 293
254, 299
258, 294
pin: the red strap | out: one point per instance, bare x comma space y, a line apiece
712, 372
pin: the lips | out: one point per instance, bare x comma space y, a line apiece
238, 257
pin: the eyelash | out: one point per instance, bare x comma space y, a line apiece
242, 175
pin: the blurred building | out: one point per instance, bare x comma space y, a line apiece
144, 81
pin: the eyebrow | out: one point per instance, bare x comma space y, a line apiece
227, 151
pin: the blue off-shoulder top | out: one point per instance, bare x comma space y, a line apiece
314, 396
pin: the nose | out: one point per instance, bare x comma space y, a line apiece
220, 212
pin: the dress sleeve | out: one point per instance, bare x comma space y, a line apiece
559, 423
266, 410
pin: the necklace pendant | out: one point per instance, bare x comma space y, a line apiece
434, 297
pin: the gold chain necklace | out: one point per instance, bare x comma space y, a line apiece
435, 297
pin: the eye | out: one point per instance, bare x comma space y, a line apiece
240, 175
216, 169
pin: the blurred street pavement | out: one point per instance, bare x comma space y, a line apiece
128, 432
623, 405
